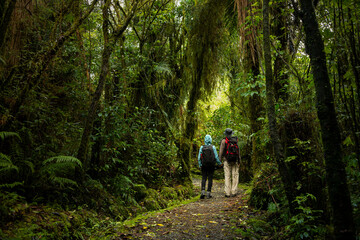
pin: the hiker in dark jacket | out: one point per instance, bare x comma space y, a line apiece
231, 168
207, 160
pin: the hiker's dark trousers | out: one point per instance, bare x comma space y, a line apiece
207, 174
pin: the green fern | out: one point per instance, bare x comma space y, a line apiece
62, 181
6, 164
4, 135
63, 159
60, 169
11, 185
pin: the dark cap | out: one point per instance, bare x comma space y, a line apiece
228, 132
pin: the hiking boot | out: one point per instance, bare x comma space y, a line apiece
202, 196
227, 196
233, 195
208, 195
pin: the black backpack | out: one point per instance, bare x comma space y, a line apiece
208, 157
231, 149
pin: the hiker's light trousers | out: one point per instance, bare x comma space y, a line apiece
231, 171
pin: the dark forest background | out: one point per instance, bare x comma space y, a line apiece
104, 104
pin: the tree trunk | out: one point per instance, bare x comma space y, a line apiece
5, 17
109, 45
281, 78
191, 122
104, 71
335, 170
255, 105
273, 129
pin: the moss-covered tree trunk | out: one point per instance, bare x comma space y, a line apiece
335, 170
281, 78
273, 129
109, 45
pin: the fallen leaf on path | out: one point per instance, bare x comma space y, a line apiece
161, 225
212, 222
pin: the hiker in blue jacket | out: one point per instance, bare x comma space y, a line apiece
207, 160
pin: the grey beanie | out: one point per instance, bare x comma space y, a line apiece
228, 132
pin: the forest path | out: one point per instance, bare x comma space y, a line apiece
214, 218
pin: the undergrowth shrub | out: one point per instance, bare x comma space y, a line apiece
267, 189
305, 224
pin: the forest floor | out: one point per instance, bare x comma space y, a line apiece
214, 218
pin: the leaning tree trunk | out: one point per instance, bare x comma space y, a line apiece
335, 170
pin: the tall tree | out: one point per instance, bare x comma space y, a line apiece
250, 47
204, 61
110, 41
335, 169
270, 102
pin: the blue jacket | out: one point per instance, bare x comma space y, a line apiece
208, 141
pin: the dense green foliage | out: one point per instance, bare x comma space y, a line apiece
104, 104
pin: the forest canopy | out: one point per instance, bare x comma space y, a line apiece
105, 103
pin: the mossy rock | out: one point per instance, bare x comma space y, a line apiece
151, 204
154, 200
260, 197
184, 191
140, 192
169, 193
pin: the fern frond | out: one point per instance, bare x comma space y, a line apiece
163, 68
4, 158
6, 164
30, 165
63, 159
11, 185
62, 181
8, 168
4, 135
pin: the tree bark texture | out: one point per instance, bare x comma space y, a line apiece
335, 170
